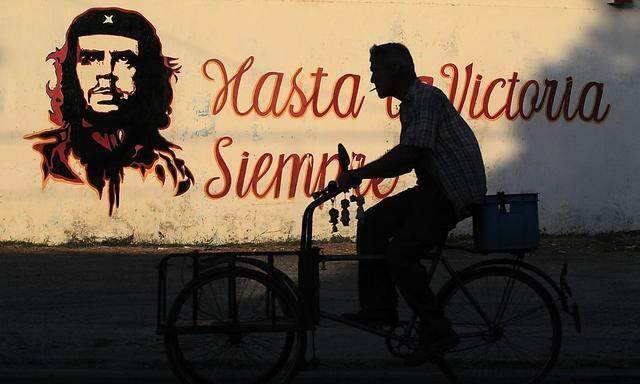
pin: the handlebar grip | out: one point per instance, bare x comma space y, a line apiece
332, 187
343, 158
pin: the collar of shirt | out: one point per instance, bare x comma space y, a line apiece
410, 96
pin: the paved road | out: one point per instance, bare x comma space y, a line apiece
82, 314
350, 376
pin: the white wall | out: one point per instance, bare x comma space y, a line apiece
585, 171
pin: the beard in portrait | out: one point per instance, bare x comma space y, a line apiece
111, 101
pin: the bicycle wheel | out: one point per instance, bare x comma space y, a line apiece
522, 342
262, 343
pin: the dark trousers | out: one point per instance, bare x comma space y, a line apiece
392, 228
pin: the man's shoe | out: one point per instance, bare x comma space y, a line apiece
376, 317
432, 350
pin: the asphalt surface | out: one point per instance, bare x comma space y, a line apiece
88, 316
343, 376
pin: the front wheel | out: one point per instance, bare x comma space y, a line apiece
234, 325
517, 341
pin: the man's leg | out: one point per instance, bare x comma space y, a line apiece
410, 277
376, 288
432, 219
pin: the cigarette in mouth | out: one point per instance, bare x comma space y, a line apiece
372, 89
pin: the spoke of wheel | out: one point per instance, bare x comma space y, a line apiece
233, 372
262, 346
486, 363
227, 368
495, 306
501, 352
515, 311
522, 354
522, 315
506, 295
528, 335
469, 304
242, 285
521, 303
215, 299
254, 353
216, 366
240, 305
201, 342
251, 363
264, 343
200, 309
224, 356
205, 353
486, 350
466, 316
486, 291
475, 325
268, 363
257, 306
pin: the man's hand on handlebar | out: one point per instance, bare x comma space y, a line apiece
347, 180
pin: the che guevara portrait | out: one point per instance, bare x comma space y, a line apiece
110, 104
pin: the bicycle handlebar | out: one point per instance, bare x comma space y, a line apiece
322, 196
332, 186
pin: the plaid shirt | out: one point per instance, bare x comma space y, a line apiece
452, 157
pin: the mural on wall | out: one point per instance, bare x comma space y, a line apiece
258, 114
111, 100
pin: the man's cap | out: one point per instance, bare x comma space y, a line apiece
112, 21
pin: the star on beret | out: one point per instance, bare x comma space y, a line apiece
108, 19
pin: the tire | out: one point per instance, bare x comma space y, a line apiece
216, 356
525, 342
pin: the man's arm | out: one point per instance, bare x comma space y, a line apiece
398, 161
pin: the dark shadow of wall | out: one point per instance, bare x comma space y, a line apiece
586, 172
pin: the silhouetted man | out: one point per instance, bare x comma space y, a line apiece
439, 145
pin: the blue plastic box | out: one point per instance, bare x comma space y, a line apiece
507, 223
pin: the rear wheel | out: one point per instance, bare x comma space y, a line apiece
234, 325
522, 340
